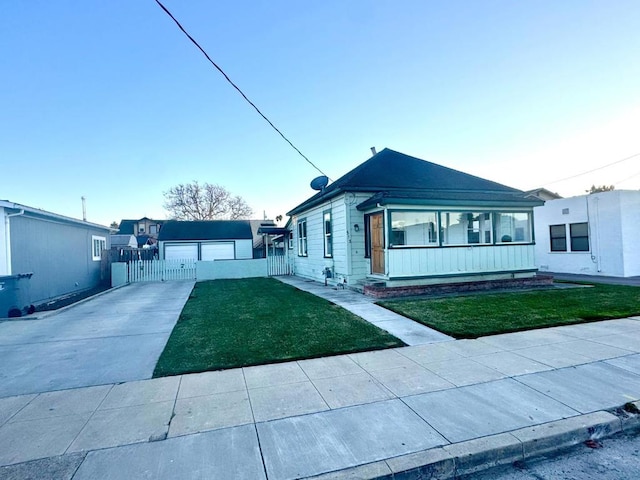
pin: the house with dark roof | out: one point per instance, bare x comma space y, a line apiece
205, 240
146, 230
397, 220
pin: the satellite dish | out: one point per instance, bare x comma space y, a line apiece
319, 183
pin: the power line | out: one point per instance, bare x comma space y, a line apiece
628, 178
594, 170
236, 87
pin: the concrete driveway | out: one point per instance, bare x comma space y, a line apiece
115, 337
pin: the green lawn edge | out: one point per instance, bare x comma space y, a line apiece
247, 322
473, 316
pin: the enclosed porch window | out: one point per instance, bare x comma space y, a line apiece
466, 228
413, 228
513, 227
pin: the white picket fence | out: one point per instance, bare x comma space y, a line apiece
278, 265
160, 270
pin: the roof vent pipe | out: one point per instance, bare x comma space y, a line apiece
373, 150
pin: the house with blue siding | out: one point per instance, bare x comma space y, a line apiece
399, 221
63, 254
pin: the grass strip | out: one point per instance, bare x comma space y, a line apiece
472, 316
236, 323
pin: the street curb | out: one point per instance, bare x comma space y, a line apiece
472, 456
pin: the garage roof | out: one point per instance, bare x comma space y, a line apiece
205, 230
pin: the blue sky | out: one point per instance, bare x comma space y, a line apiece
108, 100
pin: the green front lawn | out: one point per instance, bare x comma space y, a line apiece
235, 323
487, 314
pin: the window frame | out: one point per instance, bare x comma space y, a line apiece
470, 231
367, 235
557, 237
98, 244
573, 237
303, 250
397, 233
327, 236
500, 240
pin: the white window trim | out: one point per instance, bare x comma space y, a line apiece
327, 235
302, 239
102, 245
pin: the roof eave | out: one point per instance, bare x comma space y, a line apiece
371, 203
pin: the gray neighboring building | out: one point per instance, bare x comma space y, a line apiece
63, 253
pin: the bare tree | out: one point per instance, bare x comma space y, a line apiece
195, 201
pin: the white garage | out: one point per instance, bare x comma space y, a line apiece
206, 240
218, 251
187, 251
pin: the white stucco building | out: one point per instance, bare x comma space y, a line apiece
593, 234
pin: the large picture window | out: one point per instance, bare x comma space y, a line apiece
512, 227
98, 244
326, 230
558, 236
413, 229
466, 228
579, 233
302, 238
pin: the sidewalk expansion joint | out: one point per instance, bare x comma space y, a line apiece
472, 456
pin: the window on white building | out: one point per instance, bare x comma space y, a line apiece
326, 230
579, 233
302, 238
98, 244
558, 236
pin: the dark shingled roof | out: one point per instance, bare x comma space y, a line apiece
396, 176
205, 230
128, 226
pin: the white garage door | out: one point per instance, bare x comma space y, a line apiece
218, 251
187, 251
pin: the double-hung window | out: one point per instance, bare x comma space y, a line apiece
558, 235
98, 244
579, 233
302, 238
326, 230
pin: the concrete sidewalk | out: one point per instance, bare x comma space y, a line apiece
441, 408
410, 332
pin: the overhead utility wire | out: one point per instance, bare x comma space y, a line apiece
594, 170
236, 87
